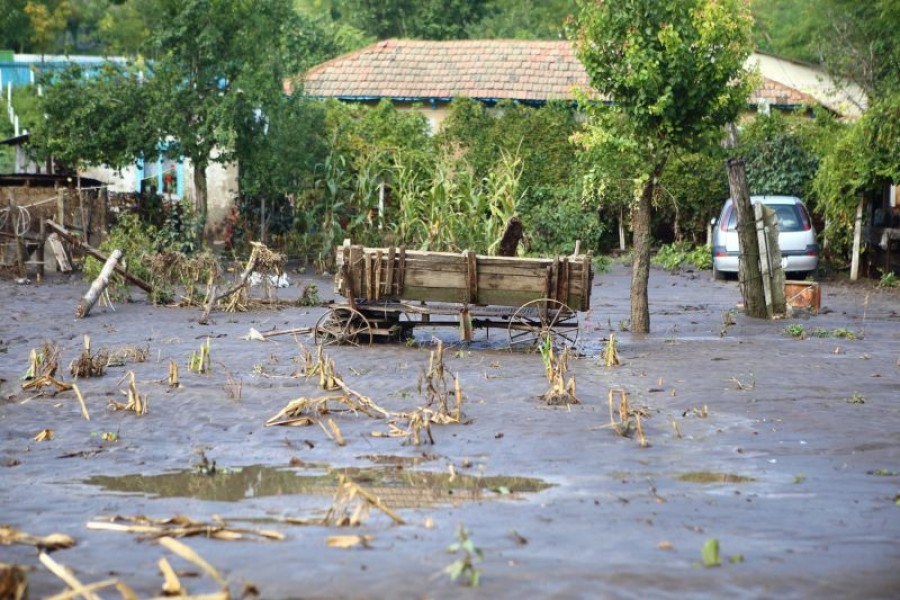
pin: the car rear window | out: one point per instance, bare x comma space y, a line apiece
791, 217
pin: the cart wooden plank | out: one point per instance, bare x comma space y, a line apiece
467, 278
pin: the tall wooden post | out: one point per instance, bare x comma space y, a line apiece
61, 207
857, 239
749, 274
40, 252
104, 207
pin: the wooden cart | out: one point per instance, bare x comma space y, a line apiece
391, 291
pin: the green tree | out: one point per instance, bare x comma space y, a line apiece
863, 158
126, 27
47, 20
789, 28
216, 62
673, 73
14, 24
100, 120
523, 19
860, 44
422, 19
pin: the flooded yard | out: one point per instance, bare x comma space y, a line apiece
778, 439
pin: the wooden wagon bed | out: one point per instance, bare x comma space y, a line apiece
390, 291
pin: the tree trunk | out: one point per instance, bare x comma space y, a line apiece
640, 269
748, 268
200, 190
509, 243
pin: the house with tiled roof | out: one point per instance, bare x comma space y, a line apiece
430, 74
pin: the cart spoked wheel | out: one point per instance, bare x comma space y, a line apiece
539, 320
343, 325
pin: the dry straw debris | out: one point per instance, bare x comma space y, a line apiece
88, 364
562, 388
629, 421
54, 541
42, 367
352, 504
180, 526
136, 402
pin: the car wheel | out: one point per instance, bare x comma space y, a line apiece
717, 274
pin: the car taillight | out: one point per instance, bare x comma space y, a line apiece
723, 222
719, 251
812, 250
807, 223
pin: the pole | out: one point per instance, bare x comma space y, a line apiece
857, 235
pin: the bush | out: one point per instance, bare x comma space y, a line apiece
554, 218
136, 240
674, 256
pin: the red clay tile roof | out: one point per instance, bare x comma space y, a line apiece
481, 69
528, 71
774, 93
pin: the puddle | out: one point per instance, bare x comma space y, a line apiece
396, 486
713, 477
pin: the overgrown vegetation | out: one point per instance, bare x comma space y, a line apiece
313, 173
679, 254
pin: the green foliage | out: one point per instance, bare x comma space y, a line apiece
448, 209
13, 25
863, 158
673, 74
859, 43
856, 398
95, 121
523, 19
788, 27
674, 256
889, 280
673, 68
539, 136
425, 19
795, 330
464, 566
125, 28
779, 161
181, 231
554, 218
137, 241
692, 190
710, 553
553, 212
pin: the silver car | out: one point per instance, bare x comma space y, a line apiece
796, 237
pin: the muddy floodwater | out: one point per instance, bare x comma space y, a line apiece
784, 448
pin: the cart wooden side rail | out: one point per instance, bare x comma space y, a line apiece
532, 298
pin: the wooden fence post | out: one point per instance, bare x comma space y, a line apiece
857, 239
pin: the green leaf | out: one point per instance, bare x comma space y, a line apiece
710, 553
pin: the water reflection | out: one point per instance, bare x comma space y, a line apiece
396, 486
